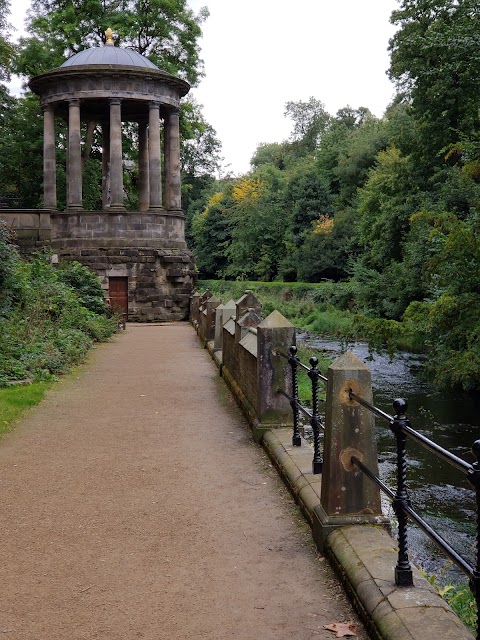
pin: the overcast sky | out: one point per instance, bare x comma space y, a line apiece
259, 54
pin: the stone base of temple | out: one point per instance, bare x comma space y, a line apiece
159, 280
143, 252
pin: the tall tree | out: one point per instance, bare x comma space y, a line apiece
435, 56
7, 49
165, 31
310, 121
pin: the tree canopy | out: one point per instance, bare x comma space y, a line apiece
165, 31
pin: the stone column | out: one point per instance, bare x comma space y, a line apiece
105, 165
154, 160
174, 196
143, 169
49, 160
116, 159
166, 161
74, 182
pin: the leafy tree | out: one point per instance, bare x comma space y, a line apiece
21, 149
357, 156
269, 153
211, 230
7, 49
385, 204
310, 121
258, 227
334, 143
435, 55
201, 148
328, 251
307, 198
166, 31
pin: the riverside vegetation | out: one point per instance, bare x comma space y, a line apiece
387, 210
50, 316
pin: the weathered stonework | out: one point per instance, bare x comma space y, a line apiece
146, 248
159, 280
141, 257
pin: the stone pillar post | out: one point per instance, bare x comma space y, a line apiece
174, 195
105, 165
247, 301
223, 313
116, 157
347, 495
273, 371
144, 188
210, 307
49, 159
154, 160
74, 181
194, 304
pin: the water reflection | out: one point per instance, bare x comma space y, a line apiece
440, 493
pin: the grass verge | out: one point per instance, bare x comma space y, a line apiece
16, 399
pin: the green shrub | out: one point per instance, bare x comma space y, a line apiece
50, 323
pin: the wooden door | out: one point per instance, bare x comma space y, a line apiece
118, 294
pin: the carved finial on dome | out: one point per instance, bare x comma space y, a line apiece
109, 37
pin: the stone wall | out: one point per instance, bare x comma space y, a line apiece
159, 280
146, 248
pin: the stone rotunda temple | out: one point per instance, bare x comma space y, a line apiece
140, 256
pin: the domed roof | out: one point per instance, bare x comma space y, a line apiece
109, 55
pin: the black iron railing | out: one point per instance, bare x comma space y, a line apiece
401, 428
314, 415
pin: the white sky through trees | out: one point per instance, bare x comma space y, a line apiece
259, 54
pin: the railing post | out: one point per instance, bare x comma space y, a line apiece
474, 478
403, 570
347, 496
313, 374
275, 333
194, 304
293, 362
245, 303
222, 313
210, 307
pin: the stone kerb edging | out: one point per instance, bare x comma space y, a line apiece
364, 555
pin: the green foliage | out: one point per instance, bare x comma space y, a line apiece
458, 596
7, 48
165, 31
310, 121
46, 325
16, 399
85, 284
435, 54
21, 149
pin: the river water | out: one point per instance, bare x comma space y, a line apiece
438, 492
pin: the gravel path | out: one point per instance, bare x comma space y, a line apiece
134, 504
